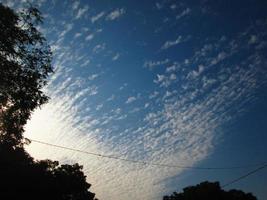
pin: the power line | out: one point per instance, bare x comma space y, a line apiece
244, 176
141, 162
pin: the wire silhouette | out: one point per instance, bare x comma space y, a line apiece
140, 161
244, 176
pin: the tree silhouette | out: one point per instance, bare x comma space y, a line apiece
23, 178
209, 191
25, 64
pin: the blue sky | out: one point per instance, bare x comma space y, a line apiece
174, 82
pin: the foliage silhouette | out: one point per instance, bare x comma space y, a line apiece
209, 191
22, 177
25, 64
25, 61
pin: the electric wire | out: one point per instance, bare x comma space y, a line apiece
244, 176
140, 161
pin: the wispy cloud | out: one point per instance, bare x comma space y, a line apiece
159, 6
115, 14
75, 5
97, 17
89, 37
195, 73
93, 77
173, 6
86, 63
68, 27
153, 95
81, 12
111, 98
130, 100
99, 107
152, 64
116, 57
99, 47
183, 13
77, 35
171, 43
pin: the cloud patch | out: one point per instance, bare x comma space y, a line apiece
170, 43
131, 99
97, 17
115, 14
81, 12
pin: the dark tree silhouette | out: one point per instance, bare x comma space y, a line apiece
25, 64
23, 178
209, 191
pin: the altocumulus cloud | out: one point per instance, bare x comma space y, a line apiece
115, 14
175, 121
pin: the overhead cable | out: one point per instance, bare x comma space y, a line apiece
142, 162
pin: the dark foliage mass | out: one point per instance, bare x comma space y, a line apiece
25, 64
209, 191
23, 178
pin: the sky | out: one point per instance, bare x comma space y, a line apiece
169, 82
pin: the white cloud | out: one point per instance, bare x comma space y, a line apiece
97, 17
196, 73
111, 98
99, 107
93, 90
77, 35
123, 86
116, 57
172, 76
130, 100
54, 48
152, 64
153, 95
164, 81
173, 67
221, 56
68, 27
93, 77
159, 6
86, 63
115, 14
167, 94
186, 61
99, 47
173, 6
135, 110
89, 37
171, 43
75, 5
81, 12
160, 78
183, 13
10, 4
253, 39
